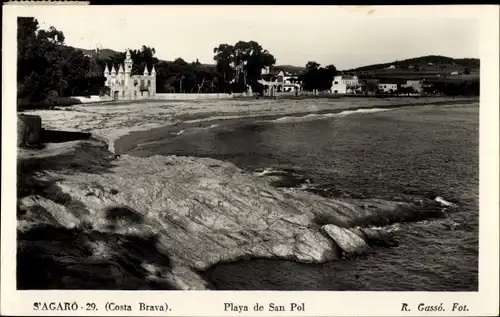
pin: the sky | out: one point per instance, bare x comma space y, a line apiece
346, 37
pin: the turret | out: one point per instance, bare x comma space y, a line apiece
106, 70
113, 71
128, 62
146, 73
121, 71
153, 81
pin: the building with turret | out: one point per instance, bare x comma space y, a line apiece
125, 86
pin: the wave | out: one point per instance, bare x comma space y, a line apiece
444, 202
316, 116
271, 172
358, 111
195, 130
389, 228
180, 132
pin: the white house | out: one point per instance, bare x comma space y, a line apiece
279, 81
391, 67
287, 82
344, 84
416, 84
454, 73
388, 87
350, 81
286, 78
338, 86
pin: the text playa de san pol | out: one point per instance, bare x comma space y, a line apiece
232, 307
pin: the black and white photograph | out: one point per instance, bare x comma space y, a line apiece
250, 148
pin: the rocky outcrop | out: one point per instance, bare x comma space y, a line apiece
196, 211
29, 128
347, 240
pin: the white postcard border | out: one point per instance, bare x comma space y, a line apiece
211, 303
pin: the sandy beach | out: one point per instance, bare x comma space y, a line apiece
110, 121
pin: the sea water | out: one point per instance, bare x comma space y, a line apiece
396, 154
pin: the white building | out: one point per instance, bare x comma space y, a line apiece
391, 67
344, 84
416, 84
350, 81
125, 86
286, 78
454, 73
338, 86
388, 87
280, 81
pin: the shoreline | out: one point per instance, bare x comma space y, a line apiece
110, 122
129, 141
192, 212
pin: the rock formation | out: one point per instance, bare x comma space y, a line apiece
29, 128
195, 212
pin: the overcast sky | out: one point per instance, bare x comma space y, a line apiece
344, 36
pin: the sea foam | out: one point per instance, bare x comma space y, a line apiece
316, 116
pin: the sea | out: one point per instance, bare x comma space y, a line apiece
396, 154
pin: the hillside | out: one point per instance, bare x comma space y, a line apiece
104, 53
291, 68
425, 62
427, 67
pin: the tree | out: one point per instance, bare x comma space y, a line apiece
180, 82
406, 90
312, 65
224, 58
371, 86
317, 77
466, 71
242, 63
47, 67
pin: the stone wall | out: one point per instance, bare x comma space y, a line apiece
179, 96
63, 101
89, 99
67, 101
286, 94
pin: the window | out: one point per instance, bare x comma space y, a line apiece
149, 83
336, 83
123, 93
335, 91
123, 82
142, 93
